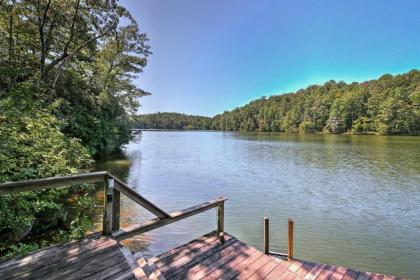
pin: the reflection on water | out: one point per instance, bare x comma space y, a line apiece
355, 199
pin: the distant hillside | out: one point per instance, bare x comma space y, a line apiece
389, 105
171, 121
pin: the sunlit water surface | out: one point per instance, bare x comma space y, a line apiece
355, 200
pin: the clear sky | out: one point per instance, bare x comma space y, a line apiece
214, 55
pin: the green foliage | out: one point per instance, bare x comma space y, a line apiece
81, 220
389, 105
83, 56
33, 146
171, 121
66, 94
362, 125
307, 127
19, 249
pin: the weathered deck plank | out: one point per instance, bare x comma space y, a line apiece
210, 253
326, 272
203, 258
193, 258
87, 259
290, 273
209, 259
351, 274
57, 250
233, 267
279, 270
250, 269
212, 263
186, 253
263, 271
305, 269
187, 246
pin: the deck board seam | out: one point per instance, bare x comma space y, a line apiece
26, 267
52, 249
205, 255
70, 267
179, 248
231, 254
230, 270
18, 262
179, 253
194, 251
55, 266
119, 265
208, 250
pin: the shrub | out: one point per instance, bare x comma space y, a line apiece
32, 146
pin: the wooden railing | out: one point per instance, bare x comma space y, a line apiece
113, 189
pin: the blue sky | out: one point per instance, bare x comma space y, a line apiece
214, 55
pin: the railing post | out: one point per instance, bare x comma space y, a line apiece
108, 206
290, 240
116, 211
220, 221
266, 235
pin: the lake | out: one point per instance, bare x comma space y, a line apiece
355, 200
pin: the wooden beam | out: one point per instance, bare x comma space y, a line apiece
277, 254
220, 221
290, 240
174, 216
137, 198
266, 235
52, 182
116, 210
108, 206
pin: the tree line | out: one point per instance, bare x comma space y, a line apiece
66, 94
389, 105
171, 121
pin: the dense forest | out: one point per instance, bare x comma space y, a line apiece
171, 121
387, 106
66, 94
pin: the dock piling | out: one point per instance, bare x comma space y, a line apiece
108, 198
266, 235
290, 240
220, 221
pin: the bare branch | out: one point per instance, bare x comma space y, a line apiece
78, 49
73, 24
41, 24
44, 17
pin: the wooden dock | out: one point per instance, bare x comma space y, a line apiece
101, 258
216, 255
203, 258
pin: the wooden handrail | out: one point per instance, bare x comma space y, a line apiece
113, 188
174, 216
52, 182
137, 198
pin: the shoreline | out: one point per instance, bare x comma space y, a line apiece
294, 133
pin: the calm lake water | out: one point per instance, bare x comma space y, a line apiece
355, 200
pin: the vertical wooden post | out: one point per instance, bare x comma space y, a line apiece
220, 221
266, 235
116, 211
108, 199
290, 240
